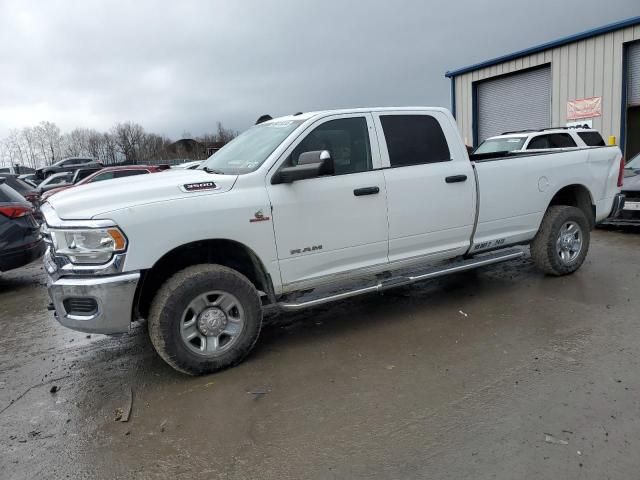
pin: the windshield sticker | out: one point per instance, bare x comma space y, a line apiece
197, 187
514, 140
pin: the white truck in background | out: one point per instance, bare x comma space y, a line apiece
307, 209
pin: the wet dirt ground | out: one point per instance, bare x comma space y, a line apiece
500, 373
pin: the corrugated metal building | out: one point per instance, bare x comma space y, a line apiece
592, 77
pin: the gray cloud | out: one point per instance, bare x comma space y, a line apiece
181, 66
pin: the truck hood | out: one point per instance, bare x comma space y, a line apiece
631, 181
94, 199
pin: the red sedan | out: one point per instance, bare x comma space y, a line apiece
107, 174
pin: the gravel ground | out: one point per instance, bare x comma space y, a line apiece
499, 373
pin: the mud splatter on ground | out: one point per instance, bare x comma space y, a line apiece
400, 385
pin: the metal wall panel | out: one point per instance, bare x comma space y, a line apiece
572, 69
514, 102
633, 74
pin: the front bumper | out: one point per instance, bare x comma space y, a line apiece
112, 295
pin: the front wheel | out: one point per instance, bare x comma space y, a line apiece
205, 318
562, 242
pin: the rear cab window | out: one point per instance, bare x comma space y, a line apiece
414, 140
592, 139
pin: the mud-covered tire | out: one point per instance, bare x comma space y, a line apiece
166, 317
544, 247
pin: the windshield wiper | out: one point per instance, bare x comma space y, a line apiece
211, 170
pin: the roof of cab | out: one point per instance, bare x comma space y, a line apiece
343, 111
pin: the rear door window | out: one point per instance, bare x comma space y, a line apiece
22, 186
129, 173
103, 176
552, 140
592, 139
414, 140
8, 194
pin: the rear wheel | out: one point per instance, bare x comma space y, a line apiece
562, 242
205, 318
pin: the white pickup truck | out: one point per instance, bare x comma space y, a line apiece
307, 209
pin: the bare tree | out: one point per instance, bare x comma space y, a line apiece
74, 143
110, 149
44, 144
222, 135
5, 153
128, 137
225, 135
51, 134
15, 146
28, 136
93, 143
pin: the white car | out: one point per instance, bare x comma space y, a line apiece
541, 140
55, 180
307, 209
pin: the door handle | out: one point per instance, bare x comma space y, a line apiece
456, 178
358, 192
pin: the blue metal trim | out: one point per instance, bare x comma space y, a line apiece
474, 113
453, 97
546, 46
623, 105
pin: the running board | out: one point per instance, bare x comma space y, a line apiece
455, 267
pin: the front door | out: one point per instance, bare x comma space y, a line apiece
430, 182
335, 223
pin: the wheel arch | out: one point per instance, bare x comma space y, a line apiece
579, 196
229, 253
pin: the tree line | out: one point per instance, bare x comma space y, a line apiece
44, 144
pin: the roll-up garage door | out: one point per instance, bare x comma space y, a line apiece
633, 72
514, 102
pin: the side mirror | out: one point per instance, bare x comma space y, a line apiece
310, 165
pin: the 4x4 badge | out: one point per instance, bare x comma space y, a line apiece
259, 217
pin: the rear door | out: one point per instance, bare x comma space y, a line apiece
430, 185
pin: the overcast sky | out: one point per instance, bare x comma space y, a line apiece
179, 66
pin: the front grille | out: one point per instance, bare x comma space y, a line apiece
82, 306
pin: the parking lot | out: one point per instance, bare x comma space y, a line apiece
499, 373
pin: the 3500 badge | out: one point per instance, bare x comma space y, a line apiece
197, 187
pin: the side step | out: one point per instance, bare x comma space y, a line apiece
454, 267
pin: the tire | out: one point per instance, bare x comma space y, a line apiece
554, 249
189, 304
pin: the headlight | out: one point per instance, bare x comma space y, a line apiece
92, 246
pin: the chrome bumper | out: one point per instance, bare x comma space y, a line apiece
113, 296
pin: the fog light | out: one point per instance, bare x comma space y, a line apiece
80, 306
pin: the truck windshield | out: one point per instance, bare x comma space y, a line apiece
249, 150
505, 144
